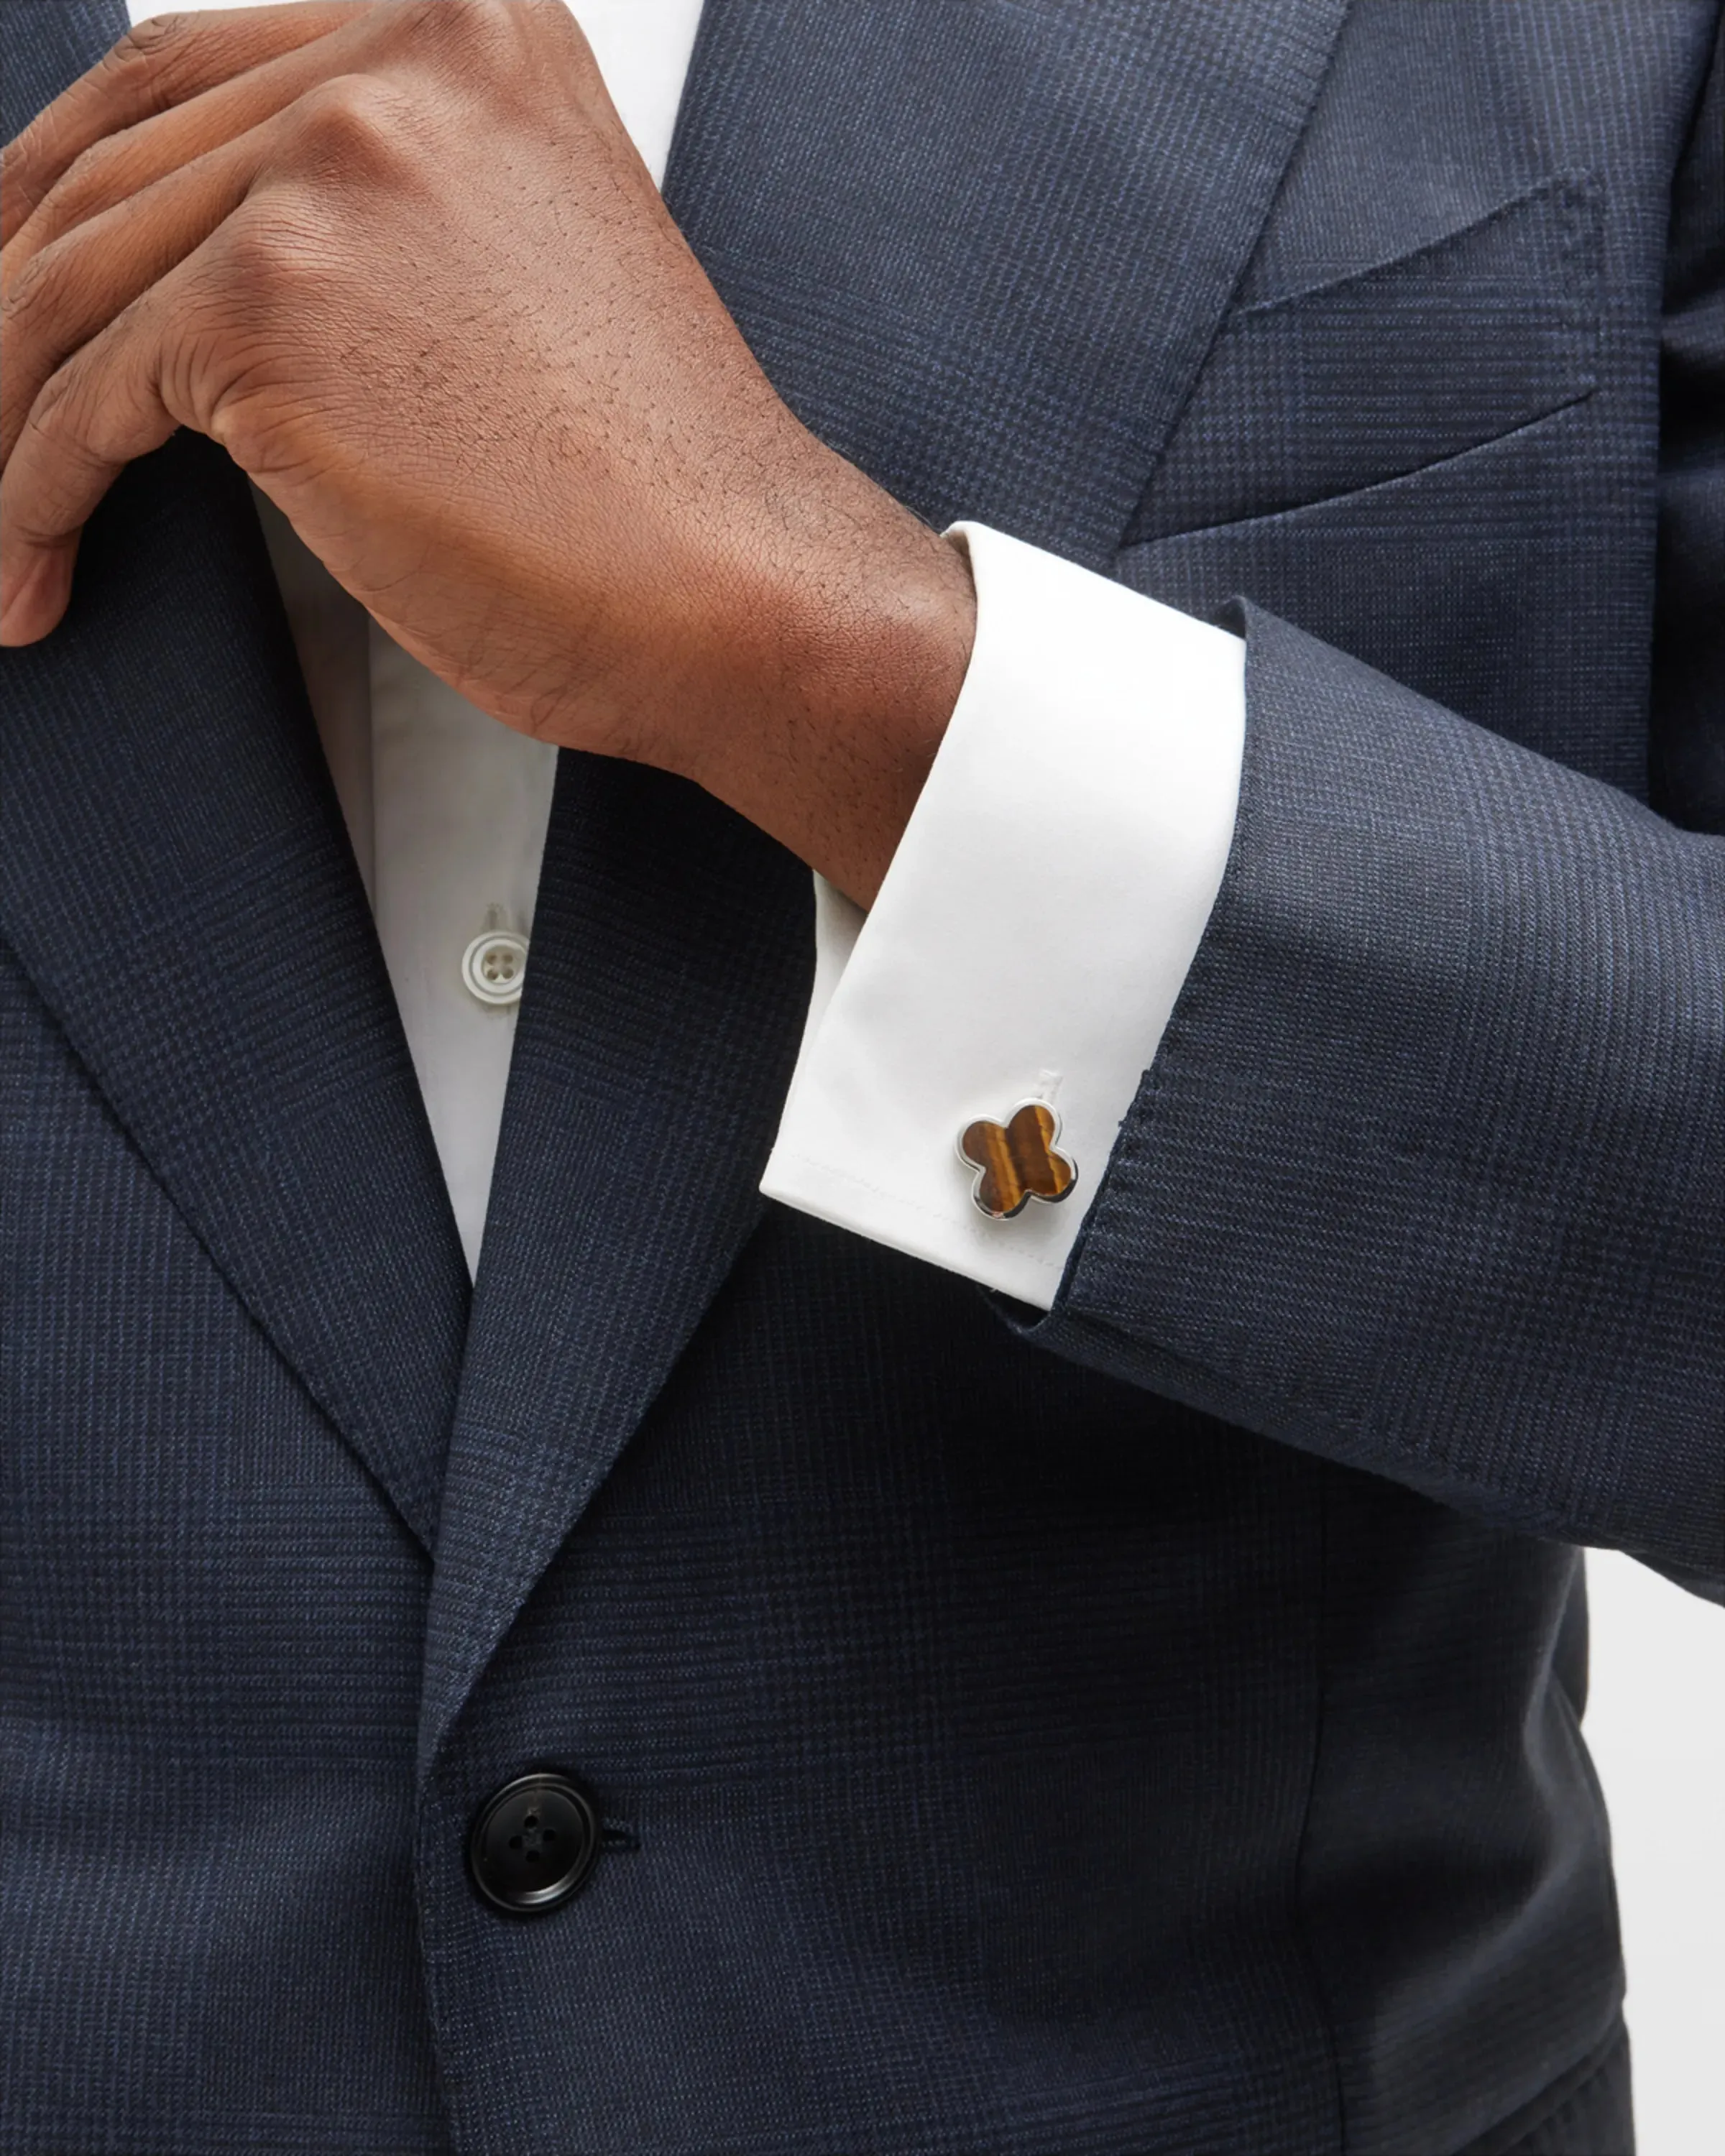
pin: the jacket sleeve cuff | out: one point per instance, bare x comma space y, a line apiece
1035, 925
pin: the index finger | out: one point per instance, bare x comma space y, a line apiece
158, 64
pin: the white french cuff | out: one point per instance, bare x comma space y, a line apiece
1034, 927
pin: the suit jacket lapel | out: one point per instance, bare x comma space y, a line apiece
983, 250
672, 951
174, 876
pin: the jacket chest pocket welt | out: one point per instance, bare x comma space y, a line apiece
1311, 395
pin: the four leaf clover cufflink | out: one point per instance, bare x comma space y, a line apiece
1016, 1161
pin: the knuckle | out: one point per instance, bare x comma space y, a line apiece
481, 18
29, 161
34, 294
536, 20
145, 42
139, 76
53, 412
495, 40
77, 428
87, 182
269, 272
129, 70
254, 257
422, 20
471, 25
355, 123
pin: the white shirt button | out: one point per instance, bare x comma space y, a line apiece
494, 966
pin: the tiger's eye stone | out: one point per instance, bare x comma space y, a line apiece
1017, 1160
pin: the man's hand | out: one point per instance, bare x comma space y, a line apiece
400, 259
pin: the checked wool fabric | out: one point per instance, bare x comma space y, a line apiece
1150, 1727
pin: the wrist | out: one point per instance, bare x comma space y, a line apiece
854, 651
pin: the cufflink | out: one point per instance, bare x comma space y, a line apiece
1016, 1161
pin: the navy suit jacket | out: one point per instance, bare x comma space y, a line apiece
1152, 1727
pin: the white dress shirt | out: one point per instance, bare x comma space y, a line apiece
1032, 933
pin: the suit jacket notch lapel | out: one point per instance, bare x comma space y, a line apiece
672, 950
175, 878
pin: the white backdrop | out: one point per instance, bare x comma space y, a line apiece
1656, 1722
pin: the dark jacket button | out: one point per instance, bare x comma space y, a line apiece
533, 1844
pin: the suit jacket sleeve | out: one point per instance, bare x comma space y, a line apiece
1428, 1175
